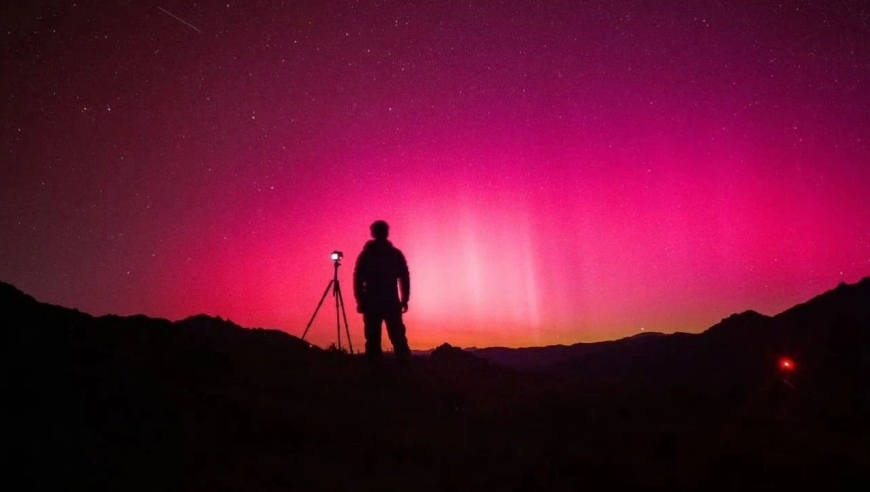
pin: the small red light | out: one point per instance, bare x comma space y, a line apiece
786, 364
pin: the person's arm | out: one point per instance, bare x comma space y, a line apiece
404, 282
358, 279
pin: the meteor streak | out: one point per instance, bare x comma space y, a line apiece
179, 19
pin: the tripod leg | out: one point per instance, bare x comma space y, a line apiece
335, 292
344, 315
328, 286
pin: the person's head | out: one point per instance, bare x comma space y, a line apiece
380, 229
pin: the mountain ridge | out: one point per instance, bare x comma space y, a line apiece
828, 336
9, 292
134, 403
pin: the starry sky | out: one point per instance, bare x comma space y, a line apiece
555, 172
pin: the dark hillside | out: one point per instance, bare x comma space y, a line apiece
829, 336
132, 403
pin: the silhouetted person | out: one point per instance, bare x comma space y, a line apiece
380, 272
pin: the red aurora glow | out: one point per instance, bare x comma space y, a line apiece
553, 172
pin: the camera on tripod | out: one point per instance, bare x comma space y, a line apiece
335, 287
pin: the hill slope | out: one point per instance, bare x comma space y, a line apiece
142, 404
828, 335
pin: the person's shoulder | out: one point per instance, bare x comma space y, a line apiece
391, 247
366, 251
398, 253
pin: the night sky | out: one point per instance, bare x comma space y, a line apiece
555, 172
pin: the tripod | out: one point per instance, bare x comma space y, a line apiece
339, 305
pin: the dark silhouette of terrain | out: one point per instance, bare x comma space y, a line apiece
828, 336
133, 403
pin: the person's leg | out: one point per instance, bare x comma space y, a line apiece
372, 329
396, 332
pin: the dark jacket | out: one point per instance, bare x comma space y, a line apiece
377, 269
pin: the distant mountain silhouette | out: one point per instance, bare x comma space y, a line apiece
134, 403
828, 335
